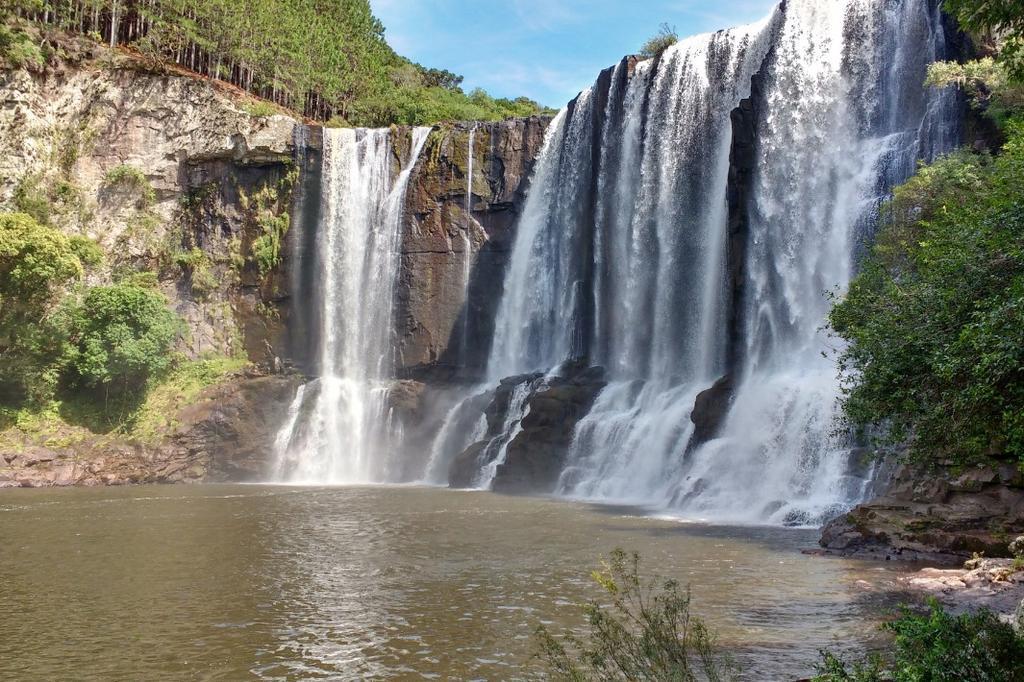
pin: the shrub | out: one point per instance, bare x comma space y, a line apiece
119, 336
938, 647
132, 178
987, 83
665, 38
31, 198
18, 51
646, 633
258, 108
86, 250
935, 320
34, 260
197, 264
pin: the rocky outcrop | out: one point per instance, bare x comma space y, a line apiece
529, 446
227, 434
710, 410
994, 584
457, 237
935, 515
536, 456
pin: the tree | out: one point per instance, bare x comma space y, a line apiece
118, 337
934, 322
36, 261
1005, 18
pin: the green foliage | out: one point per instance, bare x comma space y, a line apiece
18, 51
258, 108
326, 59
86, 250
268, 210
1004, 18
665, 38
938, 647
30, 197
118, 337
986, 82
646, 633
935, 319
130, 177
36, 262
197, 264
180, 388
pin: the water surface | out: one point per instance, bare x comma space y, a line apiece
247, 582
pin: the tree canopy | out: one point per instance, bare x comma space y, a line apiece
325, 59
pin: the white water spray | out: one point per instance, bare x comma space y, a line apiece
343, 429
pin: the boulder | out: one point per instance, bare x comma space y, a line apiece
710, 410
937, 515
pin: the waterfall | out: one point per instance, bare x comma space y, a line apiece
625, 258
340, 429
467, 247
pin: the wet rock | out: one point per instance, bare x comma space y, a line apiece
536, 456
228, 435
439, 328
405, 397
466, 465
932, 515
710, 410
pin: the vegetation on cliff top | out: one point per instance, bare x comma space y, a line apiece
935, 319
329, 61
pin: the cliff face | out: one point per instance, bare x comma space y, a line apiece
64, 130
457, 237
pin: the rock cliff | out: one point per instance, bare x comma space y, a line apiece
944, 515
456, 241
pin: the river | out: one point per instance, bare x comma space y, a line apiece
255, 582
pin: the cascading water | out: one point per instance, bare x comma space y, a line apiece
340, 428
624, 257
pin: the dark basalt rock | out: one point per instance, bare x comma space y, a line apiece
230, 430
536, 456
710, 410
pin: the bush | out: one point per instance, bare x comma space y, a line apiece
197, 264
86, 250
132, 178
987, 83
36, 262
258, 108
935, 320
938, 647
18, 51
646, 633
664, 39
118, 337
31, 198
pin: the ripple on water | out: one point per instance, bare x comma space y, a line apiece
225, 582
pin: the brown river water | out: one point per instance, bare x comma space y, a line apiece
276, 583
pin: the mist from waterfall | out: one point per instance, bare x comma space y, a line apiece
622, 253
340, 427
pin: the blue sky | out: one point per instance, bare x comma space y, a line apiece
545, 49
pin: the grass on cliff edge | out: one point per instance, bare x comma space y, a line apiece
77, 419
